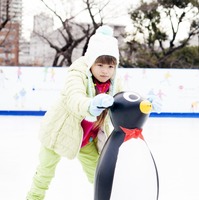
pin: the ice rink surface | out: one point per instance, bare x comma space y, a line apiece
174, 143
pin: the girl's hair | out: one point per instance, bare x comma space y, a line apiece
110, 60
100, 119
106, 59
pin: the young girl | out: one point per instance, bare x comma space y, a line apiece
78, 124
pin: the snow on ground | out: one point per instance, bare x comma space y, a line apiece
174, 143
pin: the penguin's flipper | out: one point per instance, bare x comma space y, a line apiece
106, 166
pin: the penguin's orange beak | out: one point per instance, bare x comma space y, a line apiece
145, 107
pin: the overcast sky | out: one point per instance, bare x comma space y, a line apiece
31, 8
116, 13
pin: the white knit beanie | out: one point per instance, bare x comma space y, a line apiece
102, 43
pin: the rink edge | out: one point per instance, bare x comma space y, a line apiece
41, 113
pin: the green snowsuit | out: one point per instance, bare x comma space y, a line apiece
61, 133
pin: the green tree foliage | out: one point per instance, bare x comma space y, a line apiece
156, 29
187, 57
177, 3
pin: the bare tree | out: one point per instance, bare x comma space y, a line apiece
5, 17
72, 33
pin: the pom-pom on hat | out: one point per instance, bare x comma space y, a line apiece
102, 43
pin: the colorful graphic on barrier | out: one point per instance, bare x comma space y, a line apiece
35, 88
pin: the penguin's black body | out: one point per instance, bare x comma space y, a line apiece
128, 115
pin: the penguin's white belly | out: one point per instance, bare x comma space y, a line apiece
135, 175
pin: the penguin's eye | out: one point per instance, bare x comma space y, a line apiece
131, 96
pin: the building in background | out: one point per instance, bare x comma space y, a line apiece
15, 10
40, 51
9, 45
10, 35
37, 52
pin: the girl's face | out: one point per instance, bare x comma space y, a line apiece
103, 72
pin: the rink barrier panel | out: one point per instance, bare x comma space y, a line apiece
32, 90
41, 113
175, 115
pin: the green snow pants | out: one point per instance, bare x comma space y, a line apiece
88, 157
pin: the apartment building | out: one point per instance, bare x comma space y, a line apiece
11, 33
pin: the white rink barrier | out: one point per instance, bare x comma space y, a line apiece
31, 90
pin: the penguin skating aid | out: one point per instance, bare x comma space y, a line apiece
128, 115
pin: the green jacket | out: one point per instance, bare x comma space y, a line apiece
61, 128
